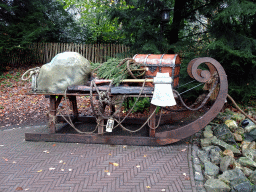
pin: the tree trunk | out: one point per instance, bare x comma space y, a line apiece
173, 34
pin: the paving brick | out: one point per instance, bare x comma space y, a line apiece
83, 166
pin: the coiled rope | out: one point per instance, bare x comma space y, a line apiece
33, 71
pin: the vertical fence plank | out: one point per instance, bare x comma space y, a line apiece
44, 52
93, 53
88, 47
84, 51
98, 52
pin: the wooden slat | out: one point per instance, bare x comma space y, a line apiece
44, 52
114, 90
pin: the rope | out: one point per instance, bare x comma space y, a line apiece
32, 71
130, 71
134, 103
158, 120
70, 121
119, 123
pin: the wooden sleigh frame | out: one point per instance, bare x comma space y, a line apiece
153, 138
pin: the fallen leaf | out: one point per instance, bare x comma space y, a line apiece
109, 154
115, 164
145, 155
106, 171
46, 151
187, 178
54, 145
19, 189
148, 187
39, 171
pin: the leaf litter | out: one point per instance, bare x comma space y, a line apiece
17, 108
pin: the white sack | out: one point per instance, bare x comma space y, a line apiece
65, 69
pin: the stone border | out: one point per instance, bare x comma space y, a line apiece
190, 164
195, 167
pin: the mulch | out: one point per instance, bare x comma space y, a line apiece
17, 108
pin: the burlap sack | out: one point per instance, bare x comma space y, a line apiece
65, 69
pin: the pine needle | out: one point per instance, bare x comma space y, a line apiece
111, 70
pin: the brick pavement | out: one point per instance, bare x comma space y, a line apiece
47, 166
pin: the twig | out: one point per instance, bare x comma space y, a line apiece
239, 109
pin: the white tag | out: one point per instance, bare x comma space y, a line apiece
110, 125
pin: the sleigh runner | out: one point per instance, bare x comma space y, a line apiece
159, 83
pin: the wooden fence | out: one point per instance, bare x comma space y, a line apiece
41, 53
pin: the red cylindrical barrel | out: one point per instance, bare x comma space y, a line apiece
164, 63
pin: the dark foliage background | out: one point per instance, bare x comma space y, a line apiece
26, 21
222, 29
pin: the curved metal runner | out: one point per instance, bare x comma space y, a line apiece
201, 76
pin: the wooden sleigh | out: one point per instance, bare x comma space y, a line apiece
160, 130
